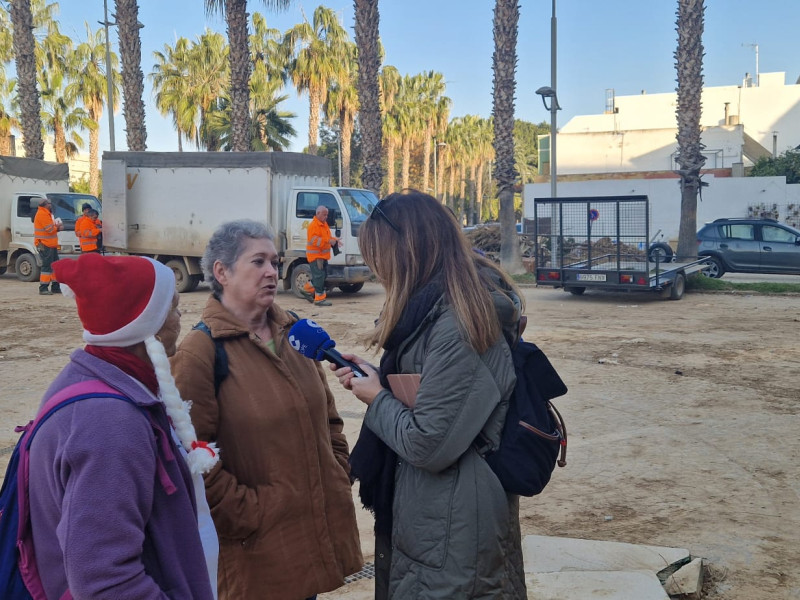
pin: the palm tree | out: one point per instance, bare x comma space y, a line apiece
504, 65
7, 122
432, 103
367, 21
341, 106
320, 51
130, 50
208, 79
171, 82
389, 82
690, 159
89, 87
269, 127
235, 12
27, 90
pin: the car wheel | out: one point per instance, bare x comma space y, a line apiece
301, 274
661, 252
351, 288
678, 287
576, 291
26, 267
715, 269
183, 281
2, 270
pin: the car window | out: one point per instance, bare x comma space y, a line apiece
777, 234
738, 231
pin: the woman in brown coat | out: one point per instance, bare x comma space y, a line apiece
280, 496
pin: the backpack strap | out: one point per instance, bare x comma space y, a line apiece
79, 391
220, 357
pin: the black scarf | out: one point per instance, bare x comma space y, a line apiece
372, 462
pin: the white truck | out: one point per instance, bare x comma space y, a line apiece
23, 183
166, 205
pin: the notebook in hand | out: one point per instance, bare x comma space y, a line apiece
404, 387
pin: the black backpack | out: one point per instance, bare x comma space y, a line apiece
534, 433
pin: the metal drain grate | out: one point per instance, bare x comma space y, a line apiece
368, 572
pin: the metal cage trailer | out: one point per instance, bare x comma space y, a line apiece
603, 242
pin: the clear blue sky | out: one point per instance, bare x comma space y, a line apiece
625, 45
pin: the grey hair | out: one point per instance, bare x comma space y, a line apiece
226, 246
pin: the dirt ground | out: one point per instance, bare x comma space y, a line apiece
682, 417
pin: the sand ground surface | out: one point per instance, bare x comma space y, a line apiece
682, 417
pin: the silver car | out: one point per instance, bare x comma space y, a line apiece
749, 246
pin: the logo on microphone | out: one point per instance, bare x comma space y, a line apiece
295, 343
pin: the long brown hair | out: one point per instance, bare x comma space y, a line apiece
410, 238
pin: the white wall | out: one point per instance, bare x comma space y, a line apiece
723, 197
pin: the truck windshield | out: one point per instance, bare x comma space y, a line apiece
358, 204
69, 207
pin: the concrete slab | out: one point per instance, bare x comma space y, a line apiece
686, 580
543, 554
591, 585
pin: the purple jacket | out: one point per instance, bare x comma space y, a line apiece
112, 504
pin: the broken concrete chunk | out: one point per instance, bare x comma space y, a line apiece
686, 580
582, 585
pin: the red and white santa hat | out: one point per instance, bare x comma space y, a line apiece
122, 300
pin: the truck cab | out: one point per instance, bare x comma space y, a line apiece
348, 208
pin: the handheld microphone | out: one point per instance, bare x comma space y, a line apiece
313, 342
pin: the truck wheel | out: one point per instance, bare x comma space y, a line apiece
576, 291
26, 267
715, 269
678, 287
351, 288
301, 274
183, 281
2, 270
661, 251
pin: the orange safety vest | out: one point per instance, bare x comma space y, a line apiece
87, 231
319, 240
45, 231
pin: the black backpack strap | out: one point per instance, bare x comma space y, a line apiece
220, 357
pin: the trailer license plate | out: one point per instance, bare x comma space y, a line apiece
591, 276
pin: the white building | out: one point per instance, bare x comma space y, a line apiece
631, 148
637, 133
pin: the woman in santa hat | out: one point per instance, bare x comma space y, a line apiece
116, 499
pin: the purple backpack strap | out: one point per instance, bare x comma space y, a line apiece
27, 558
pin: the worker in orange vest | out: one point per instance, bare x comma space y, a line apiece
87, 230
45, 238
318, 253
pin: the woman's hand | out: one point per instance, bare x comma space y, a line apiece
364, 388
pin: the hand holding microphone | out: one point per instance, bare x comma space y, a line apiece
313, 342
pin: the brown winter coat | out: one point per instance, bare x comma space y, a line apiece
280, 496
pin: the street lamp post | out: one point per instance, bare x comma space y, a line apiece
109, 77
550, 92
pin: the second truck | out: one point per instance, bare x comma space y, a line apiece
166, 205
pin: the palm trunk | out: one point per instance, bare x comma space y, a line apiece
452, 188
504, 64
390, 171
440, 176
473, 201
94, 152
59, 142
314, 103
690, 159
406, 161
180, 141
346, 121
426, 158
30, 106
130, 49
479, 191
366, 32
239, 57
